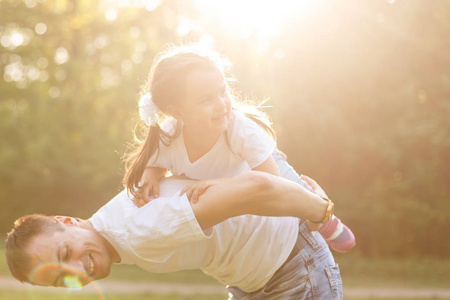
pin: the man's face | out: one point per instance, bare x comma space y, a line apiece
70, 258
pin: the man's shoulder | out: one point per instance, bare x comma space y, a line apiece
119, 208
112, 212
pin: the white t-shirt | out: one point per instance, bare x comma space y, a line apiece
250, 146
164, 236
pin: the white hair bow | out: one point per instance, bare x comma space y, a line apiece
148, 110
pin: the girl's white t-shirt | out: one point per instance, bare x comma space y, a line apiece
164, 236
249, 146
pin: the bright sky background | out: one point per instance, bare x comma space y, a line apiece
262, 17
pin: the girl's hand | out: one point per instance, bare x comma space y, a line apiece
194, 190
149, 185
319, 191
316, 188
146, 189
312, 226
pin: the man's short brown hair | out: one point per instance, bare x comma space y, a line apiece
18, 239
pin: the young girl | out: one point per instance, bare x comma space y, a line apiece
199, 131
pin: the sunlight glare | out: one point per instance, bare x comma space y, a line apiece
262, 18
72, 282
111, 14
40, 28
149, 5
61, 56
206, 41
17, 38
184, 27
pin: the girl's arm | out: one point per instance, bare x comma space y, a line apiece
269, 166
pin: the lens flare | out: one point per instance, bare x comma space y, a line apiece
72, 282
72, 279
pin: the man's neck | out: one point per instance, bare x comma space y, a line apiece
115, 257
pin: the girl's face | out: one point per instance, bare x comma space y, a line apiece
206, 107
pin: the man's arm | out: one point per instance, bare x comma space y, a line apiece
257, 193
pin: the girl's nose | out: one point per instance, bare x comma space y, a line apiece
221, 102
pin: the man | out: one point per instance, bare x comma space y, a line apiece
258, 257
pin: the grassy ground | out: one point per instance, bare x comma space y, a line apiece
418, 272
356, 271
10, 295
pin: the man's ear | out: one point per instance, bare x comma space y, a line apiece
66, 220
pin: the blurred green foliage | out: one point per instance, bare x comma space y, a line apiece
359, 94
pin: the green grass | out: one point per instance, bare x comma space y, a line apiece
418, 272
64, 296
73, 296
3, 266
356, 271
371, 298
135, 274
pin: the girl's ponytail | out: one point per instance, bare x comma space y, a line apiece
136, 161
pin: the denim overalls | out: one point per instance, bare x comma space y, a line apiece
310, 271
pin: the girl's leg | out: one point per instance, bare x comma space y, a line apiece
337, 235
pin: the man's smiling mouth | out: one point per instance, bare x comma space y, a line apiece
90, 265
